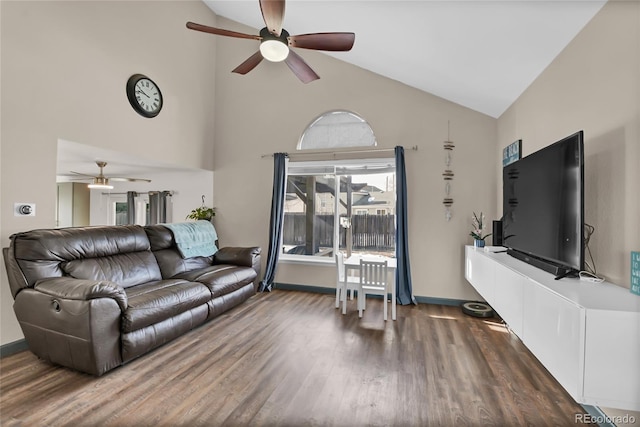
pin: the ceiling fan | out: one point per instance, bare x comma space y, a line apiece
276, 43
101, 181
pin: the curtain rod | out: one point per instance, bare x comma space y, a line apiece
310, 152
170, 193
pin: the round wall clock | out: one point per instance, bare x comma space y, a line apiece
144, 95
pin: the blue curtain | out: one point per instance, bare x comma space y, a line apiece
277, 217
404, 292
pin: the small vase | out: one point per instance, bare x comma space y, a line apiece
478, 243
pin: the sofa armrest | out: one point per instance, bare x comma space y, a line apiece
244, 257
83, 290
73, 323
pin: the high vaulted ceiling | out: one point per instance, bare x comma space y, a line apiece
481, 54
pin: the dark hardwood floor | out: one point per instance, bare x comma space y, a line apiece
289, 358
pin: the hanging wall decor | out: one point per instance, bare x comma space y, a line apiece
448, 175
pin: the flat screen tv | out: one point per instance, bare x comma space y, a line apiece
543, 207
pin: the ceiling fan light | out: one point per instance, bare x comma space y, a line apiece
100, 183
274, 50
100, 186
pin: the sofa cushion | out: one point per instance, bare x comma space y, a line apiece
140, 341
156, 301
193, 275
222, 279
160, 237
166, 252
172, 264
128, 269
43, 253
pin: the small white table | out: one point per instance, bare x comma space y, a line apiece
353, 263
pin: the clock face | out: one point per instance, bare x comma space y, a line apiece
144, 95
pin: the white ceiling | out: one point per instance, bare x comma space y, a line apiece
478, 53
481, 54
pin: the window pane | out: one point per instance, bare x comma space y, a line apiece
362, 219
121, 213
373, 207
337, 129
309, 215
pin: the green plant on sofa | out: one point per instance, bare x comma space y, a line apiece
202, 212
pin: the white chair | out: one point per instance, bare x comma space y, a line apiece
344, 283
373, 281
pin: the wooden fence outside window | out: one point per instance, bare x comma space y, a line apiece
375, 233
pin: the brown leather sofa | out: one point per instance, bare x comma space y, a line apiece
94, 298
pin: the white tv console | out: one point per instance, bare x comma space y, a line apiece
587, 335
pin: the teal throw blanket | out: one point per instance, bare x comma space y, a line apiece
194, 238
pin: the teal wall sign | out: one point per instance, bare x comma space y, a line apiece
511, 153
635, 273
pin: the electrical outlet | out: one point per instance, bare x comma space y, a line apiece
24, 209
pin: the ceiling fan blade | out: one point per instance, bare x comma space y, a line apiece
273, 15
324, 41
80, 174
220, 31
300, 68
129, 179
249, 64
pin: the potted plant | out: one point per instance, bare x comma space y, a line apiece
203, 212
478, 229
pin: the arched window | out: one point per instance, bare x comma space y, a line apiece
337, 129
339, 204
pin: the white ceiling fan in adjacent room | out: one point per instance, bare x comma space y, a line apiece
101, 181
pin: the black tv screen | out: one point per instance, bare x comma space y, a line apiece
543, 206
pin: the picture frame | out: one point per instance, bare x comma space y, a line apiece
512, 153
